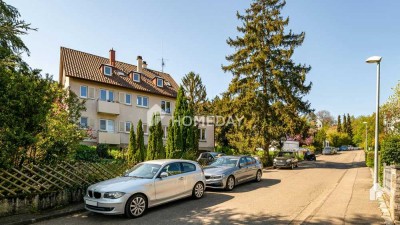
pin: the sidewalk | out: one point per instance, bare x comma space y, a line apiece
40, 216
349, 201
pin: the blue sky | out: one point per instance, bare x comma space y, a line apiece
191, 35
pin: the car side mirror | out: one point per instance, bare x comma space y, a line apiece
163, 175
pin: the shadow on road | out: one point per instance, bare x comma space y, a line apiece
249, 186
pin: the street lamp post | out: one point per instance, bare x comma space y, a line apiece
374, 191
366, 136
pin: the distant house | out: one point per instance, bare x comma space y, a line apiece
118, 94
318, 124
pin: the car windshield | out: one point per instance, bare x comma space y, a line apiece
143, 170
224, 161
285, 154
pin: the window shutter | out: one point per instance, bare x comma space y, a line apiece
91, 123
121, 97
91, 92
121, 126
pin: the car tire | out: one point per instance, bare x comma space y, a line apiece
258, 176
136, 206
297, 165
274, 167
230, 183
198, 190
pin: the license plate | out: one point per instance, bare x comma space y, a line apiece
92, 203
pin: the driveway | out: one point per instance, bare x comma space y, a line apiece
333, 190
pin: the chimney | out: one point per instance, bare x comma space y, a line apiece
139, 64
112, 57
144, 64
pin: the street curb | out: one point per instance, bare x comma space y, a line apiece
46, 217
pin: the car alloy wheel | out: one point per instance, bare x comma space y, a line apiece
258, 176
198, 190
136, 206
230, 183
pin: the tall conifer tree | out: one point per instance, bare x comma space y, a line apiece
140, 148
339, 124
344, 123
267, 86
132, 147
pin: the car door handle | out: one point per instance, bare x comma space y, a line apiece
180, 178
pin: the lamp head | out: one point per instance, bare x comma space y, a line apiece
374, 59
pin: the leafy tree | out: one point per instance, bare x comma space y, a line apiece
132, 146
339, 124
268, 87
391, 111
325, 117
140, 148
195, 92
155, 148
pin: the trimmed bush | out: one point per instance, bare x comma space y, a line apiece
86, 153
391, 150
102, 150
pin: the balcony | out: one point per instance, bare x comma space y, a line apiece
108, 107
109, 138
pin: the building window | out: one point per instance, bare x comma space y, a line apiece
202, 134
159, 82
136, 77
84, 123
165, 132
106, 95
142, 101
128, 127
84, 92
128, 99
107, 125
145, 131
107, 70
165, 107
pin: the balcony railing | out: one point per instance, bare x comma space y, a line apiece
109, 138
108, 107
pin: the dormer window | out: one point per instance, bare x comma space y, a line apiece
107, 70
136, 77
160, 82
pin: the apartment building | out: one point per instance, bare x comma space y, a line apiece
119, 94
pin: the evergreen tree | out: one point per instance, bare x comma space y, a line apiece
140, 148
183, 128
170, 145
339, 124
344, 124
195, 92
267, 86
132, 147
155, 148
349, 127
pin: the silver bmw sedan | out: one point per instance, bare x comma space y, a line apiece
146, 185
228, 171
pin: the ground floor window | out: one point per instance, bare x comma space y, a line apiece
107, 125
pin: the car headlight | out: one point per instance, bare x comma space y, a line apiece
113, 195
216, 176
274, 160
288, 160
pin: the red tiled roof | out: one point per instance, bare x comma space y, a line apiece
87, 66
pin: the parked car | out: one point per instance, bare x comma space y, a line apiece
286, 159
343, 148
350, 147
329, 151
146, 185
228, 171
310, 156
206, 158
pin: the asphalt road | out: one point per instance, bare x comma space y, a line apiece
332, 190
